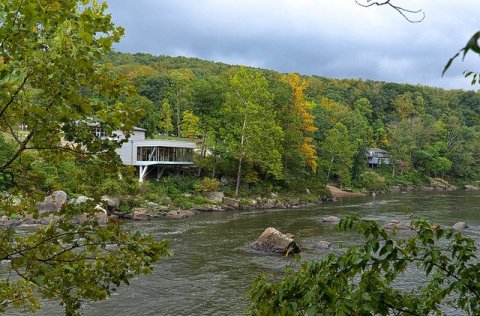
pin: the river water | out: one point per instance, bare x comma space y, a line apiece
213, 265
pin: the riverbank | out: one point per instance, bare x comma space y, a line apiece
151, 204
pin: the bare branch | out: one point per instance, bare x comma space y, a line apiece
403, 12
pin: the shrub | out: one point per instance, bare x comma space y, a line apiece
207, 185
372, 181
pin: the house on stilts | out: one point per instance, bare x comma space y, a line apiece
155, 155
377, 157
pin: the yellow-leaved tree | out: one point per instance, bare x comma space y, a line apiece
301, 121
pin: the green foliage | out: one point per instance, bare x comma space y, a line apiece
337, 154
53, 84
165, 120
372, 181
207, 185
190, 127
364, 280
251, 134
400, 118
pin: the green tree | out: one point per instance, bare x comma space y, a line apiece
251, 133
190, 127
365, 279
165, 122
404, 106
150, 115
51, 80
336, 154
182, 79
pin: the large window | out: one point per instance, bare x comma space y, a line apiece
170, 154
99, 132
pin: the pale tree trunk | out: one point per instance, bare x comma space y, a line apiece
203, 149
242, 141
329, 169
178, 113
239, 174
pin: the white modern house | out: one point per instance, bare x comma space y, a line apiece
153, 155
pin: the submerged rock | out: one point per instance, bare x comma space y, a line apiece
398, 225
322, 245
180, 214
273, 241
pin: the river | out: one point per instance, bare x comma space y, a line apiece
213, 265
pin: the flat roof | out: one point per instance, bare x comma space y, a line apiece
162, 143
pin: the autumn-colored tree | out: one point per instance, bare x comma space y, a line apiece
302, 121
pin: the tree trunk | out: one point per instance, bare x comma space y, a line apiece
239, 174
178, 114
242, 141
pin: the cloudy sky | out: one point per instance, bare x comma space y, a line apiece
331, 38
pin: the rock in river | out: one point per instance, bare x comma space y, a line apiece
331, 219
460, 226
322, 245
180, 214
398, 225
273, 241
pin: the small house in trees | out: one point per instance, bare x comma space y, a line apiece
154, 155
377, 156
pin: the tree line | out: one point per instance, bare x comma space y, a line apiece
264, 128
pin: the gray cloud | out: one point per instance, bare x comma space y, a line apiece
326, 38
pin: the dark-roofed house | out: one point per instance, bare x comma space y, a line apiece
377, 156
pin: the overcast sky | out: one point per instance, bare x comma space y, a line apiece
330, 38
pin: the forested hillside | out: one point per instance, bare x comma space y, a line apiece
271, 130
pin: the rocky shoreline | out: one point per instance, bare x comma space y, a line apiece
109, 207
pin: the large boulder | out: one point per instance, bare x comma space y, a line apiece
460, 226
231, 202
100, 214
273, 241
140, 214
53, 202
269, 203
216, 197
111, 202
331, 219
470, 187
80, 200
